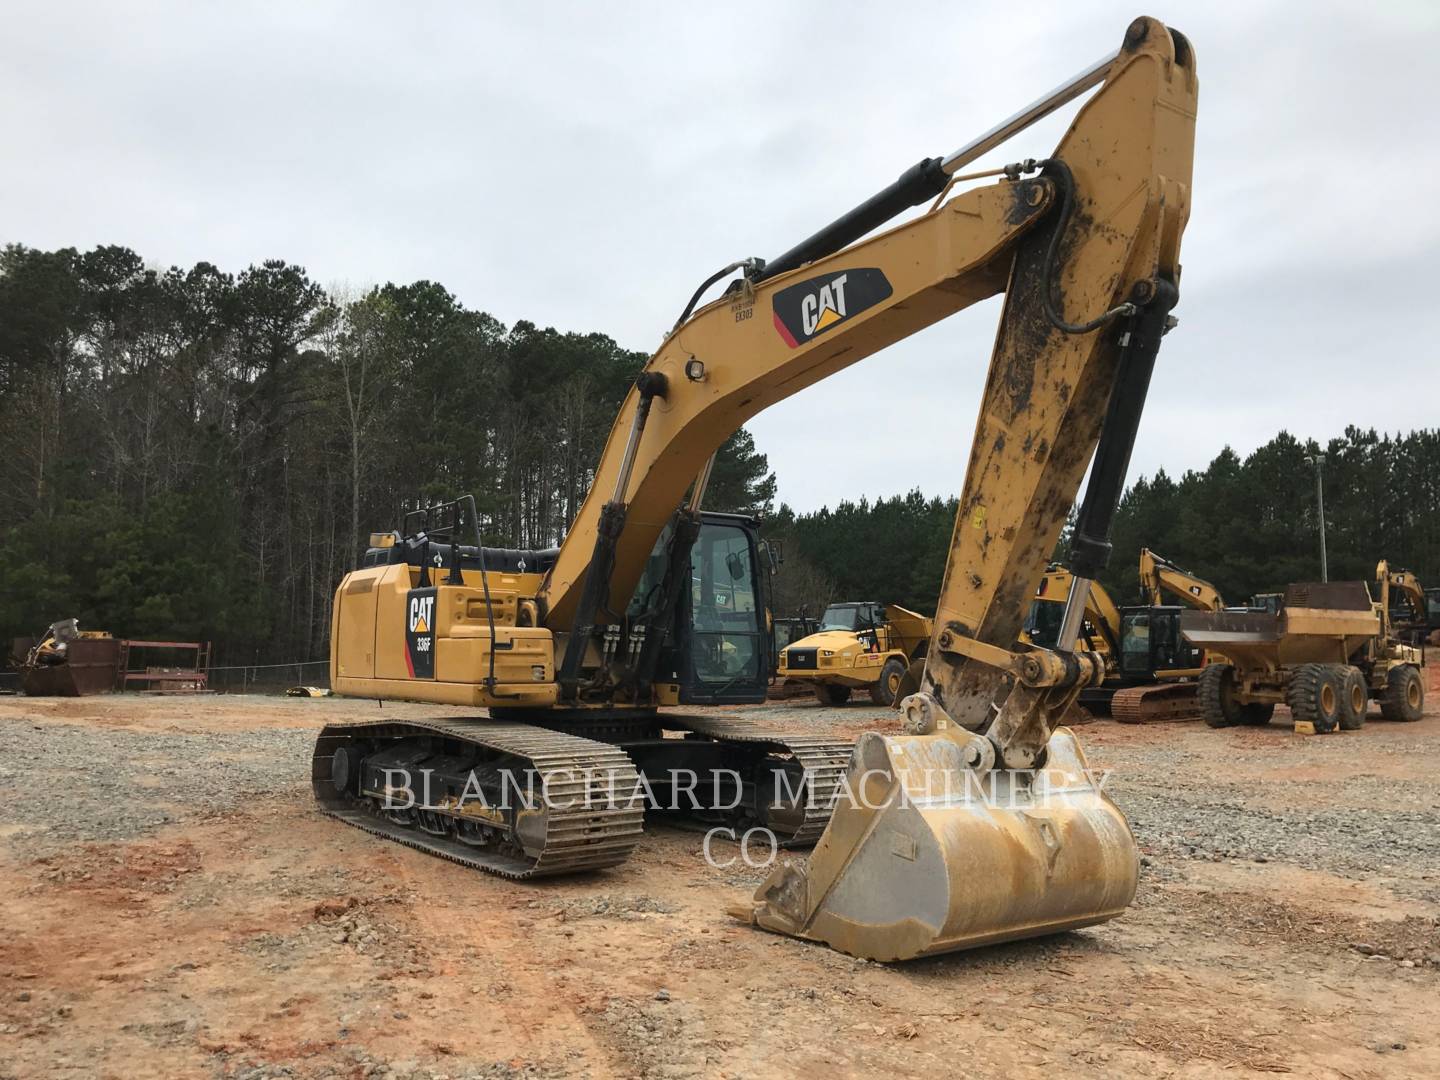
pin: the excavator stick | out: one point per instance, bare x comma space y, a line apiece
982, 823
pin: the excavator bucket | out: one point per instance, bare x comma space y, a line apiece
925, 855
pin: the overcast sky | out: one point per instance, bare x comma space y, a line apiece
585, 166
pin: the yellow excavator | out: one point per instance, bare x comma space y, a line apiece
1150, 669
1408, 603
981, 822
1153, 651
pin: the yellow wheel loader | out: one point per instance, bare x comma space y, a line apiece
859, 646
1327, 652
981, 823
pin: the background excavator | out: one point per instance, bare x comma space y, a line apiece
981, 823
1412, 608
1150, 669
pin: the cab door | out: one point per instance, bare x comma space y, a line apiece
725, 659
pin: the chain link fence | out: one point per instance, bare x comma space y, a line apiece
237, 678
268, 678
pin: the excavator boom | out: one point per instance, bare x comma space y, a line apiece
1158, 576
1126, 162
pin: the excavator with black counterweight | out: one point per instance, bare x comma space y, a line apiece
981, 822
1150, 669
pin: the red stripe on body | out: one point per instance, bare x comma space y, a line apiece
785, 332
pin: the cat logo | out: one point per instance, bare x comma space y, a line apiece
810, 308
420, 633
820, 310
422, 612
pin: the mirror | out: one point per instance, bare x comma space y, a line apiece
736, 565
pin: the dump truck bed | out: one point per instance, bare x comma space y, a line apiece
1320, 623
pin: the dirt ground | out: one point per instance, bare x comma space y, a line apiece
245, 935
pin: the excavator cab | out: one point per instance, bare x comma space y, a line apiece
1151, 644
1042, 626
717, 651
1267, 602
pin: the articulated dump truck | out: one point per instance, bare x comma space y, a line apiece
1326, 653
859, 646
980, 822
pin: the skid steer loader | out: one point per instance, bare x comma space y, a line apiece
981, 823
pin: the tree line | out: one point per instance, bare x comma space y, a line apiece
200, 455
1246, 525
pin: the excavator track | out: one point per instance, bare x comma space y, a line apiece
605, 819
1161, 703
598, 828
823, 758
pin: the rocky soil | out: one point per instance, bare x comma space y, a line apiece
175, 907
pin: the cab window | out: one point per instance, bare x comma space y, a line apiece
727, 642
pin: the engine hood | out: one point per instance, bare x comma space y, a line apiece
834, 640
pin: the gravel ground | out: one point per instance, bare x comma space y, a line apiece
176, 908
1179, 799
107, 785
1359, 825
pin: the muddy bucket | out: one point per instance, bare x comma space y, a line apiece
926, 855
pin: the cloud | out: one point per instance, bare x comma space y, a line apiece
586, 166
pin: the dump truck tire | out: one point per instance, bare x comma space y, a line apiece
910, 684
1314, 695
1217, 696
1257, 714
830, 694
1404, 695
1354, 698
891, 676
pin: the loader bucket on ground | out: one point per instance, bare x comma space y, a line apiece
925, 856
